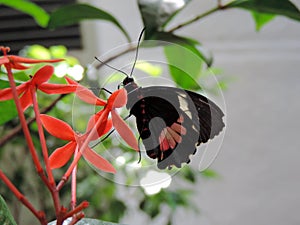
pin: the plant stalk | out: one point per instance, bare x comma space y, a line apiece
25, 128
52, 185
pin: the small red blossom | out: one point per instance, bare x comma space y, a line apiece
16, 62
63, 154
85, 94
117, 99
38, 81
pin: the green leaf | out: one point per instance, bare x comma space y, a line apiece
5, 216
262, 19
178, 198
183, 69
151, 69
209, 173
156, 14
188, 174
277, 7
30, 8
74, 13
58, 51
185, 62
150, 206
165, 38
38, 52
8, 109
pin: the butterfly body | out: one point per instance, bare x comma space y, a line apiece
171, 121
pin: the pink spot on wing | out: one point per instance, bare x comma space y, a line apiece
171, 136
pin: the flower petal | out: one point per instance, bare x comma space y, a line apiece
124, 130
6, 94
58, 128
70, 81
26, 100
57, 88
19, 59
42, 75
100, 131
4, 60
62, 155
98, 161
18, 66
104, 125
117, 99
85, 94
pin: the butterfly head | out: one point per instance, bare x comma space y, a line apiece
128, 80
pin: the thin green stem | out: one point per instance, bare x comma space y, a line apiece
211, 11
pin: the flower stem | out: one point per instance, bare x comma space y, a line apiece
79, 153
27, 135
38, 214
73, 184
83, 205
52, 185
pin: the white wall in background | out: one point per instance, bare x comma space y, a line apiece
259, 162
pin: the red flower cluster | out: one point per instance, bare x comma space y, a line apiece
61, 155
61, 129
99, 124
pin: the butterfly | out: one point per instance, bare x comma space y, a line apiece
172, 122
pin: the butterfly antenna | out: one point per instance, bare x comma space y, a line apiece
114, 68
140, 154
103, 139
137, 50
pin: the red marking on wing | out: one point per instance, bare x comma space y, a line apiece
171, 136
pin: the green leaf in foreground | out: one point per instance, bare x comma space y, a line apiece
277, 7
262, 19
74, 13
5, 216
30, 8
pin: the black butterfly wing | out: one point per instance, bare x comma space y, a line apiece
210, 117
160, 111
